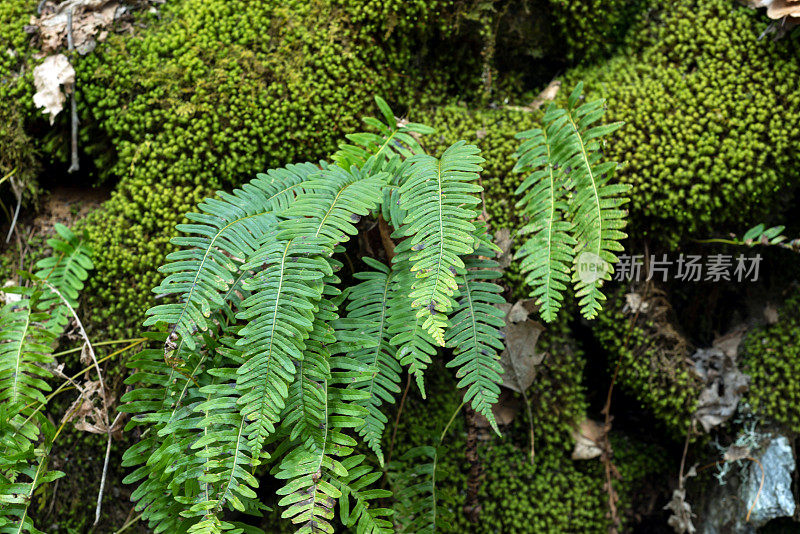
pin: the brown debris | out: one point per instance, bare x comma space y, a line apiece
520, 359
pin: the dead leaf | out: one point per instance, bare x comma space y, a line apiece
736, 453
635, 304
520, 358
48, 77
549, 93
588, 436
89, 17
504, 410
502, 238
724, 386
681, 518
729, 342
86, 354
770, 313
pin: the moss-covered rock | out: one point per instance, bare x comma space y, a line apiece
17, 149
552, 494
653, 358
216, 92
771, 356
710, 110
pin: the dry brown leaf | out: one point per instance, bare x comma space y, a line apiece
729, 342
89, 17
86, 354
588, 436
549, 93
724, 386
502, 238
520, 358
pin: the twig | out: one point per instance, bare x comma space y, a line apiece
397, 418
75, 166
128, 524
14, 220
103, 389
606, 456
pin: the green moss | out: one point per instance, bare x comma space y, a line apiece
711, 135
555, 493
17, 150
770, 357
493, 131
216, 92
592, 28
653, 360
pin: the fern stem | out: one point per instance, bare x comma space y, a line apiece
447, 426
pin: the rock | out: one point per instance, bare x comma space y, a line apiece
726, 506
776, 499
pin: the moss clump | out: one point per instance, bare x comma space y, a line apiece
493, 131
770, 357
653, 356
17, 149
592, 28
555, 493
711, 120
216, 92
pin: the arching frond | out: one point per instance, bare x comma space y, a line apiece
547, 255
415, 346
368, 312
367, 519
280, 314
223, 234
24, 354
475, 335
575, 217
595, 209
416, 507
439, 195
334, 201
391, 137
66, 270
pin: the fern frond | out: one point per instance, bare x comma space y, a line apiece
416, 507
415, 346
575, 217
393, 137
368, 314
66, 270
356, 485
595, 208
475, 335
280, 311
438, 196
164, 401
224, 478
547, 256
222, 235
25, 434
334, 201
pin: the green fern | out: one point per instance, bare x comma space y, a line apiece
393, 137
368, 313
573, 208
416, 506
475, 335
438, 196
259, 370
66, 270
26, 434
220, 238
